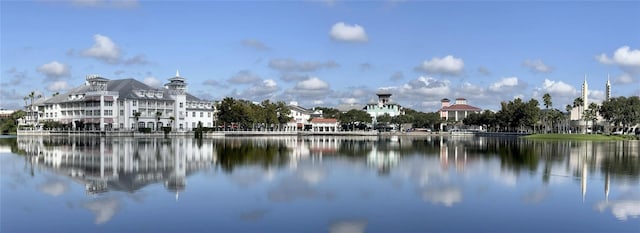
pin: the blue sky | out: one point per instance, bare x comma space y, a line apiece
327, 53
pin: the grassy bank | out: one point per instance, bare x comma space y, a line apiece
594, 137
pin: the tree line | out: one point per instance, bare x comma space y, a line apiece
517, 115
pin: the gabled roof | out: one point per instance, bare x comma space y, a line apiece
300, 109
125, 89
460, 107
324, 120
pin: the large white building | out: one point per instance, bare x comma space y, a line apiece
126, 104
383, 106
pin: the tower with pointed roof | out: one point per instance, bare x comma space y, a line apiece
178, 89
585, 93
607, 89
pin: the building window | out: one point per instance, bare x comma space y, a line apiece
135, 103
121, 113
181, 126
193, 114
193, 124
181, 105
201, 114
208, 114
108, 103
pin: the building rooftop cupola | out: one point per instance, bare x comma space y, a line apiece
444, 102
96, 83
461, 101
177, 85
383, 97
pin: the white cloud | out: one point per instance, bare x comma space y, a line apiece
290, 65
397, 76
624, 78
312, 83
414, 92
448, 65
152, 82
58, 86
54, 70
139, 59
260, 91
311, 88
507, 84
255, 44
558, 88
349, 33
623, 56
244, 77
484, 71
106, 3
103, 49
537, 66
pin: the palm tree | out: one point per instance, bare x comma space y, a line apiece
31, 97
136, 115
547, 100
158, 115
547, 103
172, 118
591, 114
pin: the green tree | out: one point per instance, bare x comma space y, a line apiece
32, 96
283, 112
329, 112
591, 114
621, 111
136, 116
158, 115
354, 118
10, 125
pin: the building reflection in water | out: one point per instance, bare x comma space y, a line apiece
129, 164
121, 164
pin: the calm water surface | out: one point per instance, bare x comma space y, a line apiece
318, 184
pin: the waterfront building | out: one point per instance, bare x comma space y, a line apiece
4, 113
126, 104
455, 112
382, 107
324, 125
577, 112
301, 117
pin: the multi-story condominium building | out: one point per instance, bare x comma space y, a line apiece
126, 104
384, 106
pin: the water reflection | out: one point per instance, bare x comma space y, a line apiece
456, 174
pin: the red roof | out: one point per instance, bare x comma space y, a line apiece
460, 107
324, 120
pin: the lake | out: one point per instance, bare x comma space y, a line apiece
318, 184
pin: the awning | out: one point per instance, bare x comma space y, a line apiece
108, 120
92, 98
108, 98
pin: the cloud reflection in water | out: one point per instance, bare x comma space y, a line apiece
104, 209
54, 187
348, 226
